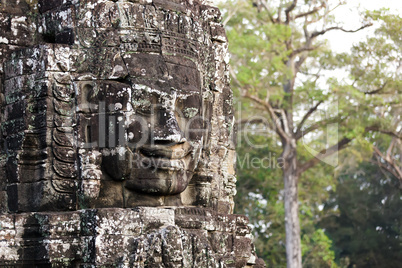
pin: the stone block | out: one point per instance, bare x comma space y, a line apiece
242, 246
42, 196
3, 201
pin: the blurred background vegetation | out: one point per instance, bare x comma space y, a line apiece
350, 210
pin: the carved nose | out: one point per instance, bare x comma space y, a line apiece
167, 129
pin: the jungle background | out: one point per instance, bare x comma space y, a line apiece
335, 114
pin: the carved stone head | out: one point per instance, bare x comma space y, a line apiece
165, 125
135, 105
149, 128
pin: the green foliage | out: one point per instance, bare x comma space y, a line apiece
258, 50
318, 246
361, 107
367, 230
260, 196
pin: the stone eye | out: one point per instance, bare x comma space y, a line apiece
188, 107
144, 103
142, 106
190, 112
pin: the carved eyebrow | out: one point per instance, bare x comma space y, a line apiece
145, 88
187, 94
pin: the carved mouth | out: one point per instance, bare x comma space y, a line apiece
174, 152
162, 164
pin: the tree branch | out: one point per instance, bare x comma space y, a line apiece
375, 91
271, 18
387, 132
279, 14
230, 15
300, 134
250, 121
390, 148
316, 75
389, 165
255, 121
315, 34
326, 152
300, 62
308, 43
289, 9
325, 14
314, 10
303, 49
274, 117
307, 115
234, 76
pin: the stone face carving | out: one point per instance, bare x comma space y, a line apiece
108, 110
164, 125
117, 104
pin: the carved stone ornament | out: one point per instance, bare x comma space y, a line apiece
117, 135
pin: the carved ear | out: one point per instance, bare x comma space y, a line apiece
207, 113
87, 94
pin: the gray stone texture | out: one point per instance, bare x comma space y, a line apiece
75, 78
117, 237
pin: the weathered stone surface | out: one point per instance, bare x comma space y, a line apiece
88, 91
140, 237
117, 134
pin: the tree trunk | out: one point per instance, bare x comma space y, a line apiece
292, 225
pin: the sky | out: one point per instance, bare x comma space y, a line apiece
348, 14
342, 42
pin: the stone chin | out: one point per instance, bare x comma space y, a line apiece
159, 182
